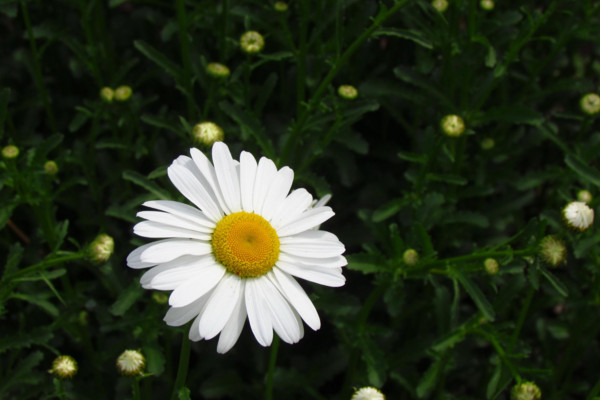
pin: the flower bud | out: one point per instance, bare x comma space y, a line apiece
410, 257
453, 125
578, 215
487, 5
553, 250
10, 151
525, 391
585, 196
487, 144
160, 298
107, 94
217, 70
207, 133
280, 6
50, 168
252, 42
123, 93
368, 393
491, 266
440, 5
590, 103
347, 92
131, 362
101, 248
64, 367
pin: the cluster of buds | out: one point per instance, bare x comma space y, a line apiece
122, 93
207, 133
131, 363
368, 393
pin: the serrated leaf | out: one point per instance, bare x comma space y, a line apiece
126, 299
554, 281
142, 181
476, 295
585, 172
27, 339
24, 374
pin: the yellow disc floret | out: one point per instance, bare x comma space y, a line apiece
245, 244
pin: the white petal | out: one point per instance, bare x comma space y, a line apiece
265, 173
194, 334
307, 220
297, 297
323, 201
282, 317
233, 328
208, 276
209, 177
170, 278
174, 220
248, 168
227, 176
194, 191
151, 229
177, 263
134, 259
258, 315
220, 306
278, 191
329, 262
177, 316
323, 276
181, 210
316, 244
291, 207
166, 250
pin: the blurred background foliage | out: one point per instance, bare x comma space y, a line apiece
439, 328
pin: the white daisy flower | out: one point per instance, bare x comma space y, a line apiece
368, 393
235, 254
578, 215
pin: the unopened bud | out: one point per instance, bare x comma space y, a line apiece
252, 42
526, 391
50, 168
578, 215
107, 94
123, 93
585, 196
207, 133
440, 5
10, 151
280, 6
553, 250
453, 125
217, 70
368, 393
590, 103
347, 92
64, 367
487, 144
410, 257
491, 266
131, 362
101, 248
487, 5
160, 298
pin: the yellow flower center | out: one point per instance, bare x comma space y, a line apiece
245, 244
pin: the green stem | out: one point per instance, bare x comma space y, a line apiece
522, 316
478, 256
46, 263
272, 362
182, 369
340, 62
185, 56
501, 354
37, 69
135, 386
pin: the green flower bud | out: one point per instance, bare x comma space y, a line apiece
123, 93
217, 70
491, 266
252, 42
590, 103
64, 367
440, 5
526, 391
347, 92
453, 125
585, 196
487, 5
101, 248
280, 6
160, 298
487, 144
410, 257
107, 94
10, 152
553, 250
131, 363
50, 168
207, 133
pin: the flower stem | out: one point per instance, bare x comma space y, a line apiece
182, 369
272, 361
46, 263
135, 386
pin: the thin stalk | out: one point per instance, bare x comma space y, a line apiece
37, 69
182, 369
135, 388
46, 263
479, 256
522, 316
185, 56
501, 354
339, 63
272, 362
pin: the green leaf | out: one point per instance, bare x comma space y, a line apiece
159, 59
155, 358
126, 299
4, 99
251, 124
365, 263
24, 374
15, 254
493, 382
410, 77
159, 122
388, 210
5, 213
448, 178
413, 157
409, 34
142, 181
516, 114
38, 300
476, 295
467, 217
554, 281
585, 172
430, 379
27, 339
184, 394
